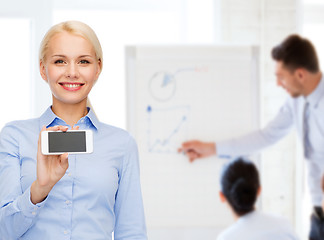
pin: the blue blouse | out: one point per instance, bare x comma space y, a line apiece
99, 194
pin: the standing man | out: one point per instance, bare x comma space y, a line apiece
297, 71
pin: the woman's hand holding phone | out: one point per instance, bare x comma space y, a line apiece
50, 169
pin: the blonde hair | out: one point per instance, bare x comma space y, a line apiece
74, 27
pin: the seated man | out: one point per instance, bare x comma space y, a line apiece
240, 187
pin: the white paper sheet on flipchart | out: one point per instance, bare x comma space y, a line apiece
207, 99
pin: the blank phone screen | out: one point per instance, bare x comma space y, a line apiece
67, 142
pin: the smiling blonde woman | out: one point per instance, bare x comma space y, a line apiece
86, 196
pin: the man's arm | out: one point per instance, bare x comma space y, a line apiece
247, 144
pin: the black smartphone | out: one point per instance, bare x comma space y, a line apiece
72, 141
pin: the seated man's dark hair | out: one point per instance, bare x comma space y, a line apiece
240, 184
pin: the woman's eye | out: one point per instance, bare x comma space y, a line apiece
84, 62
59, 61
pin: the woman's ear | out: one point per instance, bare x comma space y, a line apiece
42, 70
222, 197
99, 69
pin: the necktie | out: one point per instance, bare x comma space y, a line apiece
307, 146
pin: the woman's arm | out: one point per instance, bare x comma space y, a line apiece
50, 169
17, 212
19, 209
130, 220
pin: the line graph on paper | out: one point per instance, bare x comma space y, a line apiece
166, 138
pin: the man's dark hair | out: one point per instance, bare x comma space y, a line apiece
296, 52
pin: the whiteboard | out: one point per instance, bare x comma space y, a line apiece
178, 93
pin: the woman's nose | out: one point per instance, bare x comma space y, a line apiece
72, 71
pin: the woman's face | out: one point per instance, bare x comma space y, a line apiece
71, 68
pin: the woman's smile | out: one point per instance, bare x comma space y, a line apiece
71, 86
